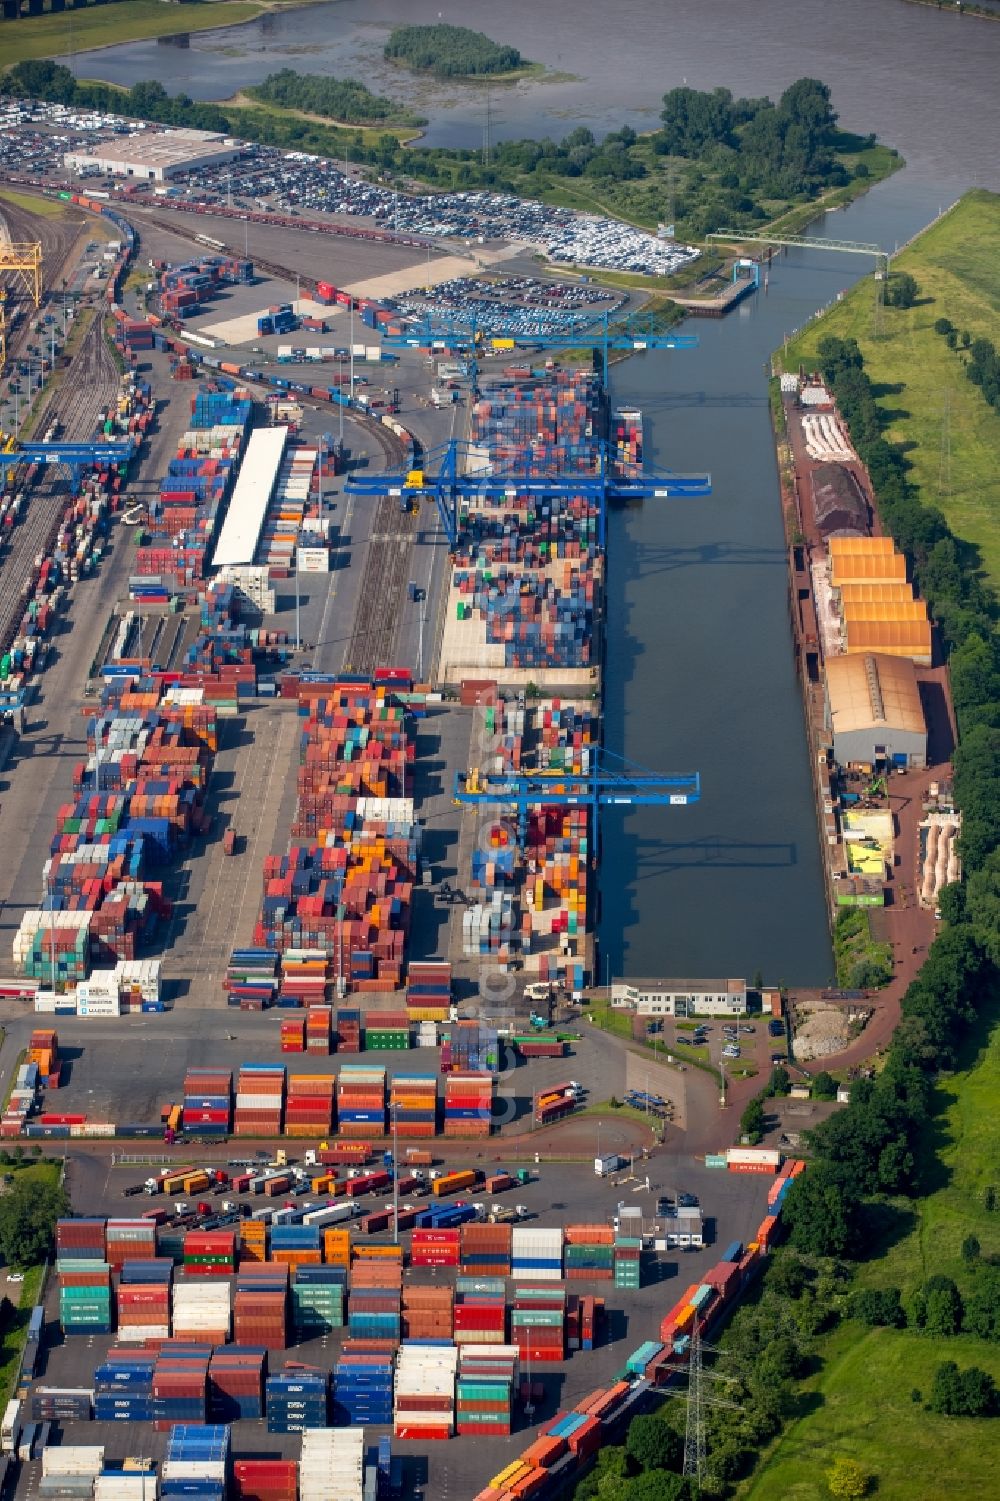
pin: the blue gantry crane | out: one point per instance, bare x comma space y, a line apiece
443, 475
77, 458
465, 329
611, 782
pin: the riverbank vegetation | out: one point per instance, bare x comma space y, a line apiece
862, 962
451, 52
108, 25
928, 406
717, 162
345, 100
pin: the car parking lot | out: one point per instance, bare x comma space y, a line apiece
36, 138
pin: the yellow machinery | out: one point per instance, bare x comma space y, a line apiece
25, 261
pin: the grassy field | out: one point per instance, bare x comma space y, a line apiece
45, 208
864, 1410
861, 1392
107, 25
957, 267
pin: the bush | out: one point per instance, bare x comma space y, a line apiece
824, 1086
847, 1479
879, 1308
970, 1393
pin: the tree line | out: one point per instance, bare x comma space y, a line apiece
450, 51
343, 99
983, 364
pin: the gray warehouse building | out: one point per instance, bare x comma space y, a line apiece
874, 711
155, 156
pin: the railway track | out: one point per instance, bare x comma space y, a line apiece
373, 639
90, 381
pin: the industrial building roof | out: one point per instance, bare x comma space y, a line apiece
852, 592
838, 503
909, 638
885, 609
873, 692
689, 987
855, 547
876, 568
242, 527
158, 150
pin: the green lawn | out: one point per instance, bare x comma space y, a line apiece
957, 266
866, 1376
865, 1412
45, 208
107, 25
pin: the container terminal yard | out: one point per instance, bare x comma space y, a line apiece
295, 526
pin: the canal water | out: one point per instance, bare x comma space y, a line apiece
700, 675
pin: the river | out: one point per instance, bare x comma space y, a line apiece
700, 671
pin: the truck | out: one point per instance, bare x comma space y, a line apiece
610, 1163
10, 1432
229, 842
502, 1214
453, 1183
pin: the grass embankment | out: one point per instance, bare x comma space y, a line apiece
951, 435
23, 1294
108, 25
862, 963
45, 208
860, 1401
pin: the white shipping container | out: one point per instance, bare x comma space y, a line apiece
754, 1154
313, 560
72, 1459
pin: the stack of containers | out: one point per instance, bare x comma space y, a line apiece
468, 1104
332, 1464
480, 1311
296, 1399
207, 1101
236, 1385
428, 1313
484, 1397
413, 1105
486, 1250
309, 1106
81, 1239
123, 1387
347, 1025
537, 1254
589, 1253
318, 1020
362, 1388
197, 1462
304, 977
261, 1306
180, 1386
201, 1310
425, 1391
144, 1300
209, 1253
293, 1034
251, 978
537, 1323
71, 1469
337, 1247
361, 1100
129, 1240
84, 1296
260, 1098
436, 1247
253, 1240
297, 1245
428, 991
386, 1032
374, 1312
318, 1300
628, 1253
265, 1480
